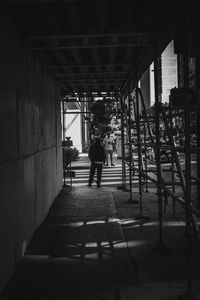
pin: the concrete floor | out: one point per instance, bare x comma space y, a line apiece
93, 246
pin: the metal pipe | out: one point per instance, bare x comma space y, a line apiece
172, 166
187, 193
130, 147
176, 158
63, 132
122, 144
158, 162
139, 150
145, 155
198, 131
63, 114
193, 210
147, 119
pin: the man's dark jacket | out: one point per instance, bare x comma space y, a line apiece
97, 153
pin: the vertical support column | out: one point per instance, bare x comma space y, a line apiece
130, 148
158, 161
187, 194
188, 295
145, 151
172, 166
82, 104
139, 150
63, 136
82, 124
123, 144
91, 101
198, 126
131, 163
63, 117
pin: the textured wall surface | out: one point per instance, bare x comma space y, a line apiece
30, 152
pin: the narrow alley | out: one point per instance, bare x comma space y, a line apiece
111, 86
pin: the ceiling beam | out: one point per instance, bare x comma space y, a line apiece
92, 92
93, 35
100, 80
50, 18
87, 73
87, 65
74, 23
89, 46
88, 84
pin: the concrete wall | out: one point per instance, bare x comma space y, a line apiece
30, 152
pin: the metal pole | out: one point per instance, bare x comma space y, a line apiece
140, 216
123, 186
188, 202
139, 148
198, 131
63, 113
172, 167
147, 120
145, 153
70, 174
63, 132
130, 200
158, 162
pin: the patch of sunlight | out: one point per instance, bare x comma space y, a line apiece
92, 256
105, 244
75, 224
113, 220
131, 244
155, 223
95, 222
128, 221
91, 245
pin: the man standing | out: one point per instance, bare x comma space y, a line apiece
108, 146
97, 156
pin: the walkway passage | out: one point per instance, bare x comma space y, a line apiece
77, 251
111, 175
91, 246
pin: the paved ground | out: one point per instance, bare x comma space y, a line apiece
93, 245
111, 176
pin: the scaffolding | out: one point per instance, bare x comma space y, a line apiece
166, 161
163, 161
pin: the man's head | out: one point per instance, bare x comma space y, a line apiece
97, 140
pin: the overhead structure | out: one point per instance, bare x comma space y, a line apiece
94, 46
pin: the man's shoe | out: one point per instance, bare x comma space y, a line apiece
89, 184
106, 165
98, 185
112, 165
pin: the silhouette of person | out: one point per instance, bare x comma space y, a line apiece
97, 157
108, 146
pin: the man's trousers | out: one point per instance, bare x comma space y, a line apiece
94, 166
